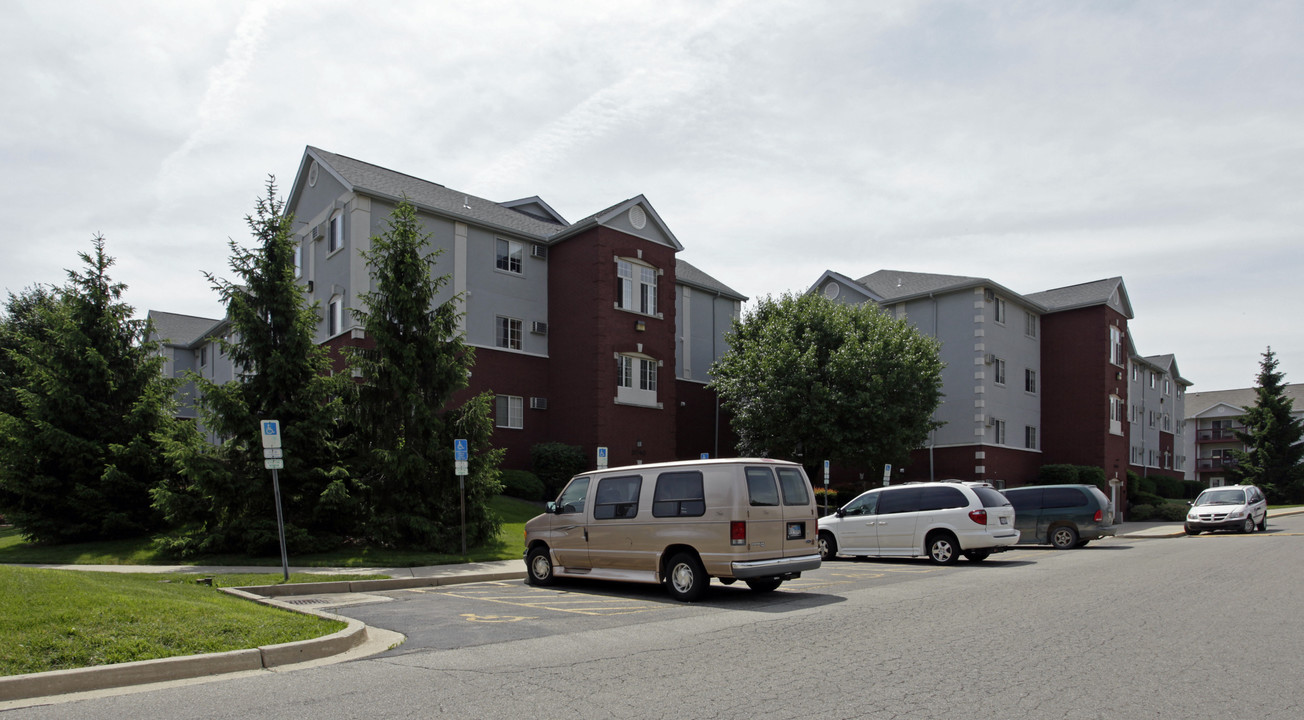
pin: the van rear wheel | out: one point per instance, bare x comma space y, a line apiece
686, 579
538, 566
943, 548
1063, 537
763, 585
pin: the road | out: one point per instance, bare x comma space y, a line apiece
1203, 627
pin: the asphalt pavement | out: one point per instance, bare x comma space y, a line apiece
356, 640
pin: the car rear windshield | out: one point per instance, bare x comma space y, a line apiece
991, 498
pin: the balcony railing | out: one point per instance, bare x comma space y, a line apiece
1214, 463
1215, 435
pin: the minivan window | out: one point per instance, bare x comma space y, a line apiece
617, 497
572, 498
863, 505
793, 486
941, 498
679, 494
898, 500
1063, 498
990, 497
1023, 499
760, 487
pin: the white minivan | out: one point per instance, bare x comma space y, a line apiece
679, 524
940, 520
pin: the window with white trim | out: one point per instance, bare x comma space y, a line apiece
334, 316
1116, 411
1116, 354
509, 333
1000, 311
507, 256
1029, 324
1030, 380
636, 287
298, 260
999, 427
335, 238
509, 412
636, 379
1030, 437
998, 367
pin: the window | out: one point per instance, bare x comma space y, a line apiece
1063, 498
1000, 311
999, 366
761, 491
1116, 410
942, 498
334, 316
298, 260
571, 499
1152, 381
508, 256
1116, 354
864, 505
679, 494
203, 356
1167, 387
999, 427
1030, 380
793, 486
509, 412
1136, 372
617, 497
1030, 437
1029, 324
638, 295
900, 500
335, 240
509, 333
636, 380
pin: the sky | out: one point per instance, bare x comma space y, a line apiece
1037, 144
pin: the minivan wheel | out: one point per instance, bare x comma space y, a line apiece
686, 578
1263, 524
1248, 527
1192, 531
943, 549
977, 555
763, 585
538, 565
828, 546
1063, 537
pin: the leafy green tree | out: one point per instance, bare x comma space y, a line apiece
808, 379
83, 395
222, 495
1272, 435
556, 463
406, 421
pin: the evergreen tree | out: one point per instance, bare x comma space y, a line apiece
83, 397
405, 420
222, 493
1272, 435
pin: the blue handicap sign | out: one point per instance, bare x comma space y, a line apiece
270, 427
459, 450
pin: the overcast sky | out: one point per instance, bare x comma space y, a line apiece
1038, 144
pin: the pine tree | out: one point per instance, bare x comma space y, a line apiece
406, 423
222, 491
1272, 438
84, 396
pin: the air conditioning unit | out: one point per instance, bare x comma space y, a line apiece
539, 328
989, 295
539, 251
988, 359
538, 403
315, 233
991, 421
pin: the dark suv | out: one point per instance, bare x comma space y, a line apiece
1064, 516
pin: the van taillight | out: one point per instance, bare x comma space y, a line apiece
738, 532
978, 516
1100, 514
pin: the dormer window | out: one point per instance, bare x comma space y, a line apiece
636, 287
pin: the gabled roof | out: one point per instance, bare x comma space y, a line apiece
686, 274
844, 281
1198, 403
362, 177
534, 206
897, 286
607, 215
1168, 364
1109, 291
177, 329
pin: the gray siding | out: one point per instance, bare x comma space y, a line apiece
703, 318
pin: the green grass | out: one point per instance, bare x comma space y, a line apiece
56, 619
509, 545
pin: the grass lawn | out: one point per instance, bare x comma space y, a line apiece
509, 545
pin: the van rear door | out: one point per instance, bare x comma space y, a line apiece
764, 514
799, 512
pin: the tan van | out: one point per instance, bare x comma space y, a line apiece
680, 524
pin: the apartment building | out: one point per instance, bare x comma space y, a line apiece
1030, 380
1210, 429
592, 333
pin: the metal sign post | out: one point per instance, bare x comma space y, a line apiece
826, 487
274, 460
461, 460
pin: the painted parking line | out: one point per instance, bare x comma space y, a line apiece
546, 599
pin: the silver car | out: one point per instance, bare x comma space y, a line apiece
1230, 507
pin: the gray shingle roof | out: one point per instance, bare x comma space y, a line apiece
1097, 292
686, 274
177, 329
896, 284
1198, 402
375, 180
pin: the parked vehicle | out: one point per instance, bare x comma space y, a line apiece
679, 524
1230, 507
939, 520
1063, 516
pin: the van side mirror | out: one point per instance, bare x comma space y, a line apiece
551, 507
841, 512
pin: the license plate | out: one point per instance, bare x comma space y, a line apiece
1005, 521
796, 531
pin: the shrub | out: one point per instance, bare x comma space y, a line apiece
522, 484
1138, 484
1092, 475
555, 463
1057, 475
1165, 486
1169, 512
1138, 497
1191, 489
1142, 512
834, 498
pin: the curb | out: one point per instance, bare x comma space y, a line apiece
142, 672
